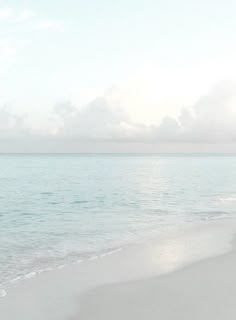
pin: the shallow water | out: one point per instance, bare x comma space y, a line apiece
58, 209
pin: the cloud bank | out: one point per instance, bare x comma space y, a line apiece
212, 120
98, 121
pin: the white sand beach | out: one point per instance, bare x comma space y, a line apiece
205, 290
117, 160
185, 273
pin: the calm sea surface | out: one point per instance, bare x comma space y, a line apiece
58, 209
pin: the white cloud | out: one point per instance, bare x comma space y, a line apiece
97, 121
16, 25
23, 16
6, 13
7, 54
48, 25
12, 15
11, 124
211, 120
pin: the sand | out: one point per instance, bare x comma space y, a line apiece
205, 290
188, 273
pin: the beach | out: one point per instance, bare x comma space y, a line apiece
117, 160
74, 238
205, 290
186, 273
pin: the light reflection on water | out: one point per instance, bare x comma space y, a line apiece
56, 209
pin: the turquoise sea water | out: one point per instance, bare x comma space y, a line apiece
58, 209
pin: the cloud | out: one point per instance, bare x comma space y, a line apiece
7, 54
11, 124
212, 119
24, 15
11, 15
48, 25
19, 28
103, 122
6, 13
9, 44
98, 121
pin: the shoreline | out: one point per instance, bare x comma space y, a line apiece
54, 295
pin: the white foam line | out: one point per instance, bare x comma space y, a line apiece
24, 277
34, 273
16, 279
93, 258
111, 252
78, 262
3, 293
29, 275
41, 271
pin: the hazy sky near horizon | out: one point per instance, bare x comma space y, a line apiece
126, 72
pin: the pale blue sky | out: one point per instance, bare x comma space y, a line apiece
159, 56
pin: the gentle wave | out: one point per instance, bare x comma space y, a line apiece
228, 198
32, 274
64, 209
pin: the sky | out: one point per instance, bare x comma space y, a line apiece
124, 76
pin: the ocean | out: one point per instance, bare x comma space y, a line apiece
56, 210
